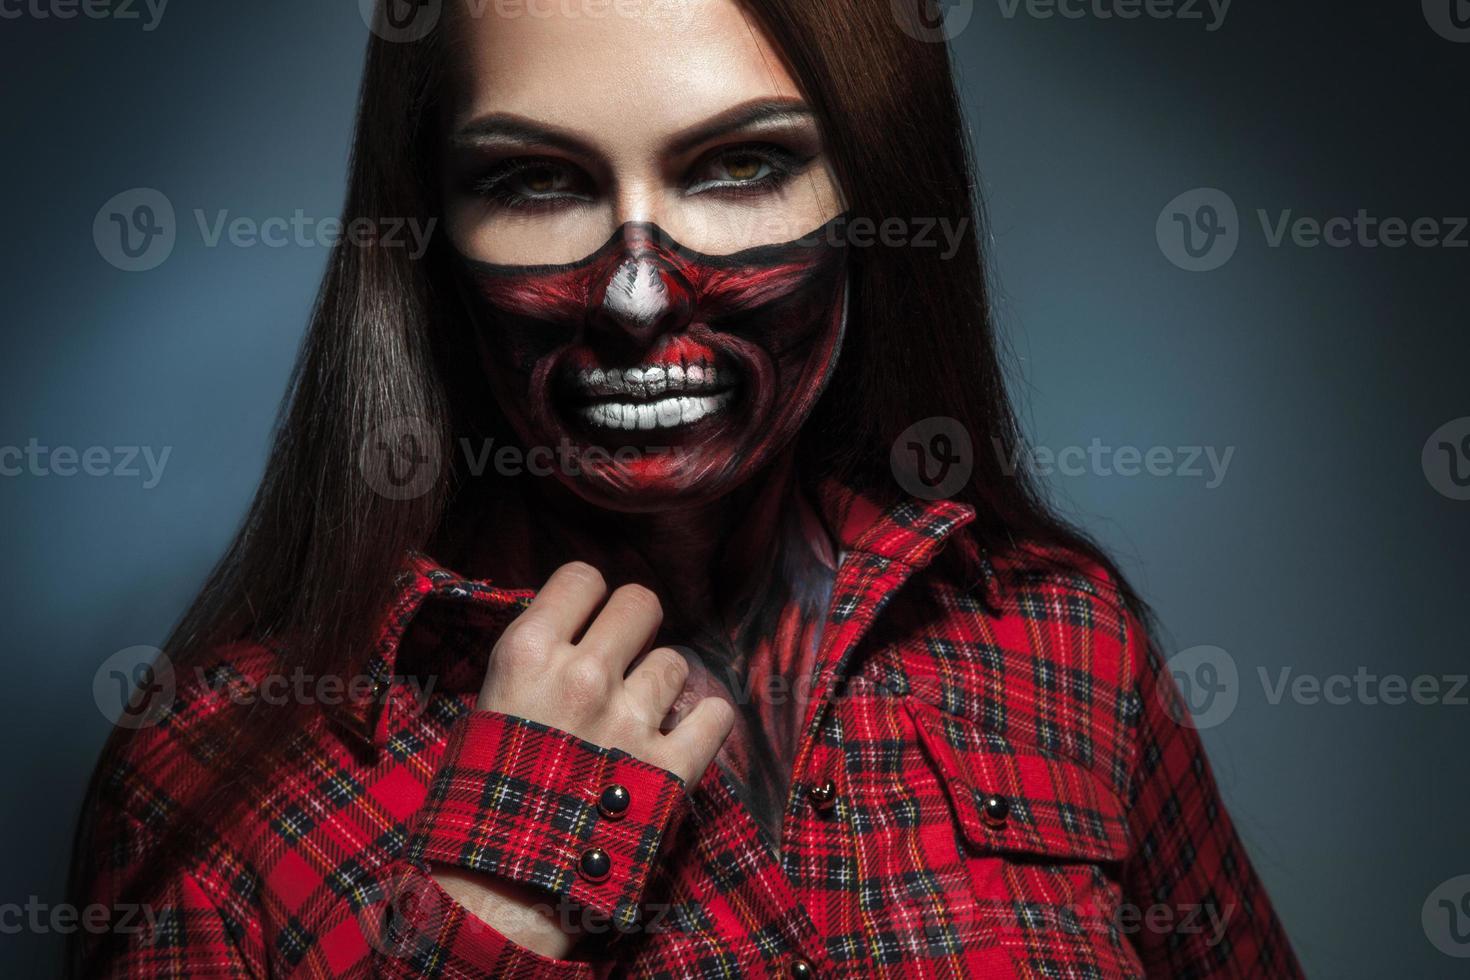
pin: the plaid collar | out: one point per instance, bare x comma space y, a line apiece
907, 532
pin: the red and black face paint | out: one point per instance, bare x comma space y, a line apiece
668, 373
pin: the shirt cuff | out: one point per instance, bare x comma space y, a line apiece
539, 806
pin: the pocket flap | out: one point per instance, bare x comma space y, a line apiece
1012, 797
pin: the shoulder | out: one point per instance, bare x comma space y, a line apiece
169, 752
1064, 587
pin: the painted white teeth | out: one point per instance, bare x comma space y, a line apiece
649, 382
665, 413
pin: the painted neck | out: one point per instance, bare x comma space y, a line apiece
702, 560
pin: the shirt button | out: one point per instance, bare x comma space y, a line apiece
996, 809
800, 969
595, 864
614, 801
822, 794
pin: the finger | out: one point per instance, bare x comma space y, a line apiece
572, 594
625, 627
698, 737
656, 683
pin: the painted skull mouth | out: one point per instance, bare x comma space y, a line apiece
674, 391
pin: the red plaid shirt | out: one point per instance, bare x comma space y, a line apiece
990, 784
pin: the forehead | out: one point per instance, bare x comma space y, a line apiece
638, 67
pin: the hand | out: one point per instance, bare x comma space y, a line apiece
537, 672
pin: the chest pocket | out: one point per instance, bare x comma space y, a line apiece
1042, 838
1010, 798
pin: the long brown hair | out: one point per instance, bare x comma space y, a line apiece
314, 561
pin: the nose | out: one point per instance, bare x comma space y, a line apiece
643, 299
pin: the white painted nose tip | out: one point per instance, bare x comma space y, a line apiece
637, 293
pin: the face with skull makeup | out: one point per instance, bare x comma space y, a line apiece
654, 279
671, 373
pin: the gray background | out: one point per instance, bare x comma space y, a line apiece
1325, 549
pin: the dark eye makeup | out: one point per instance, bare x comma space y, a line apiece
546, 183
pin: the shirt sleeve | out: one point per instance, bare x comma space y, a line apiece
510, 797
1195, 907
142, 919
535, 805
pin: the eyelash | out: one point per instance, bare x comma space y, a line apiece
496, 184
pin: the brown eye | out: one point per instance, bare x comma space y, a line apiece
539, 180
744, 167
526, 182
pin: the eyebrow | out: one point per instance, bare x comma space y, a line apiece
505, 127
744, 116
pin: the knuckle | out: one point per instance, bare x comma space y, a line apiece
670, 666
524, 641
586, 680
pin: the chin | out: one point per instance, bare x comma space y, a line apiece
641, 470
684, 426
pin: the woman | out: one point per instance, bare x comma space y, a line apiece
622, 527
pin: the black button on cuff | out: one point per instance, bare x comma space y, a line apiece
823, 794
996, 809
614, 801
595, 864
800, 969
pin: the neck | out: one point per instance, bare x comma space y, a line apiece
701, 560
